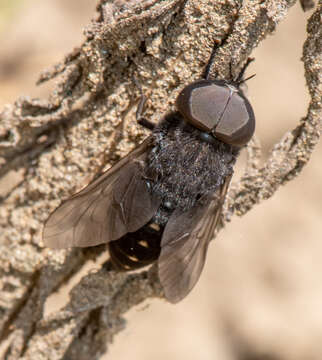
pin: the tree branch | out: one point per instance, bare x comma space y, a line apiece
89, 121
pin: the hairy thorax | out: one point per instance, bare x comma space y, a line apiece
183, 167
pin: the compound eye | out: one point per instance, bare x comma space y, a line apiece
237, 124
202, 103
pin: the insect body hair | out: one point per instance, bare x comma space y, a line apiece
183, 167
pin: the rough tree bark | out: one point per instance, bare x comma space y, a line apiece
89, 121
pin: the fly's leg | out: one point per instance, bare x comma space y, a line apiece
139, 111
206, 73
139, 118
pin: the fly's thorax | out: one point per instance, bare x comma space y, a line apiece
182, 166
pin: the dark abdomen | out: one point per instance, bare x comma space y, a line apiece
138, 249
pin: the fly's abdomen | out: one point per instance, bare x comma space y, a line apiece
137, 249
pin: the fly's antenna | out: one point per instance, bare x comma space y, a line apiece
240, 78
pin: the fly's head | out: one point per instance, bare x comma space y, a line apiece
219, 108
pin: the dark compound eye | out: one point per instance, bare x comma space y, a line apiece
202, 103
220, 108
237, 123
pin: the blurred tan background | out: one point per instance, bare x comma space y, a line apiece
260, 295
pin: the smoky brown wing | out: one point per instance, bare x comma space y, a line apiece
119, 201
185, 242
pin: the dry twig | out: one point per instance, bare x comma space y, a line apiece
89, 121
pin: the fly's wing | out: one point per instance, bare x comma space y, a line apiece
119, 201
184, 244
